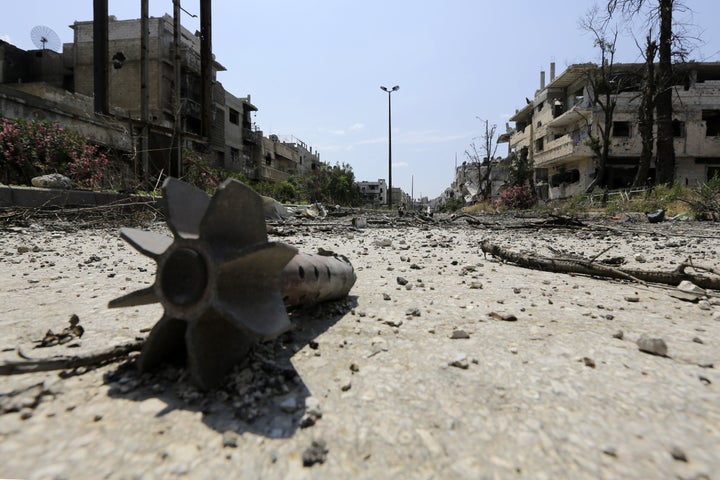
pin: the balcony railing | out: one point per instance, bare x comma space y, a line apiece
272, 174
520, 138
190, 107
249, 136
570, 145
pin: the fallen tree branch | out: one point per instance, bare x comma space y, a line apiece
588, 267
31, 365
554, 221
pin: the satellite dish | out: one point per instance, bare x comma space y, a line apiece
44, 38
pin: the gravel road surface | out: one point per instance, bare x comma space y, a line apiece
441, 364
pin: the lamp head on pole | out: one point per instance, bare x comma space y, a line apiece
393, 89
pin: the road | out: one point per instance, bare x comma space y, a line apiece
473, 368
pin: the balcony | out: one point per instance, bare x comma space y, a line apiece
190, 59
272, 174
575, 115
521, 138
560, 150
249, 136
190, 108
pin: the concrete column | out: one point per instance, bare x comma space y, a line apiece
206, 66
144, 90
100, 56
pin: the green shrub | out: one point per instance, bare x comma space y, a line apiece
704, 200
200, 173
659, 197
284, 192
452, 205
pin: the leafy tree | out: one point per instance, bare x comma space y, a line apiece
284, 192
521, 169
341, 186
329, 184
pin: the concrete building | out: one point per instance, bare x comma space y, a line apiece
33, 86
469, 175
240, 137
173, 114
556, 123
400, 198
19, 66
276, 158
374, 193
43, 84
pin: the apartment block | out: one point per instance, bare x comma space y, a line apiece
374, 193
174, 110
556, 123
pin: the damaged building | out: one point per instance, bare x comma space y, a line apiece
471, 178
36, 85
556, 124
151, 122
374, 193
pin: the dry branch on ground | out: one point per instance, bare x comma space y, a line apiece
590, 267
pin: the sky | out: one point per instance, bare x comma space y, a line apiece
314, 68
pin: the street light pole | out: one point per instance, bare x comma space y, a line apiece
389, 91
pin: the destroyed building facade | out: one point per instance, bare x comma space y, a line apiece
47, 85
557, 122
374, 193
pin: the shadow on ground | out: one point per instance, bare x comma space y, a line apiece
264, 395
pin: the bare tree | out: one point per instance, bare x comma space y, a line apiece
521, 169
481, 158
661, 11
604, 85
646, 113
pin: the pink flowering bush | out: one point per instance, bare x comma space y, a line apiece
517, 197
200, 173
28, 149
88, 167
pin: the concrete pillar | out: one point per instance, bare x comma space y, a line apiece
100, 56
206, 66
144, 91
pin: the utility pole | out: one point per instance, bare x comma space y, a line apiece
206, 64
176, 98
412, 191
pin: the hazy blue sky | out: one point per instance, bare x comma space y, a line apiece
314, 67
